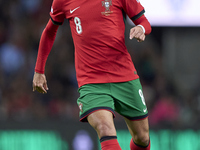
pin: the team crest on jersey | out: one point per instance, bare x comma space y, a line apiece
107, 4
80, 105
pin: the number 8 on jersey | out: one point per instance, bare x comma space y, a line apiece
77, 22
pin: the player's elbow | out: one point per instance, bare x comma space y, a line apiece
50, 29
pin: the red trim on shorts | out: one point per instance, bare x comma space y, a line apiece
83, 117
138, 118
141, 118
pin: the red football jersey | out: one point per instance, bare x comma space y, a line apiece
97, 28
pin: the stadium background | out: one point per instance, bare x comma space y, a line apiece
167, 62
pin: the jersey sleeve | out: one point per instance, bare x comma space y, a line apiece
133, 9
57, 15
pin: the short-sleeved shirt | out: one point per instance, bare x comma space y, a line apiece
97, 28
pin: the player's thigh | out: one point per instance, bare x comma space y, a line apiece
102, 122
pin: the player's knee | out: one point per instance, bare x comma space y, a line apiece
142, 139
105, 129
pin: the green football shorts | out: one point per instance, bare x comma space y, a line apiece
126, 98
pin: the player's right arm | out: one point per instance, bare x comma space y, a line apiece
46, 42
45, 46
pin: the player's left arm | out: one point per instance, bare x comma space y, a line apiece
135, 11
141, 29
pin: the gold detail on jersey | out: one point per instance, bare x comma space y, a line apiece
107, 4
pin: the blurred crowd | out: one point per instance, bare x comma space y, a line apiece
21, 24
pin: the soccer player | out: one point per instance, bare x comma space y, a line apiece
106, 76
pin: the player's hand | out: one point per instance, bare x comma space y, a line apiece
137, 33
40, 83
